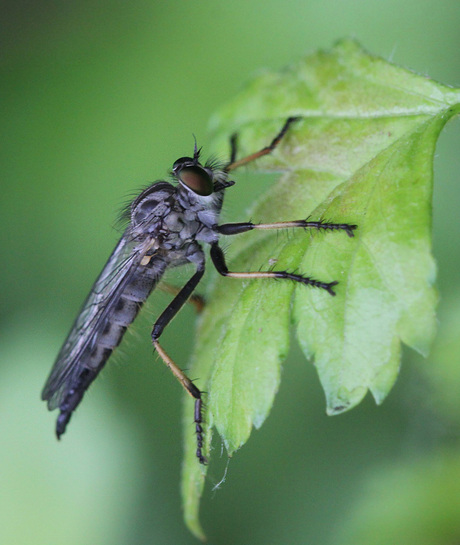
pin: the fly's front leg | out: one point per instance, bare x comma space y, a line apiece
233, 149
168, 314
233, 164
218, 259
237, 228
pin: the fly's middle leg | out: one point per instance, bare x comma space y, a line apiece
218, 259
168, 314
237, 228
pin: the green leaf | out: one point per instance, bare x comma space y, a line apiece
362, 154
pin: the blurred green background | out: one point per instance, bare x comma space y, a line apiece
98, 99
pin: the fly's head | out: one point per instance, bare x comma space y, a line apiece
201, 180
194, 176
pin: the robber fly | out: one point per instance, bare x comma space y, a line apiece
167, 226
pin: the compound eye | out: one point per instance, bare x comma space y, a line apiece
181, 163
196, 179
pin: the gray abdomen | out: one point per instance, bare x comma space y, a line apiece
124, 312
109, 335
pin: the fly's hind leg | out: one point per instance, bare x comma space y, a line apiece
168, 314
193, 391
197, 300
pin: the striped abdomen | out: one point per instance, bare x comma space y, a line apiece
109, 336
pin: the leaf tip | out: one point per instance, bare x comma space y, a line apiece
195, 527
336, 409
345, 399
